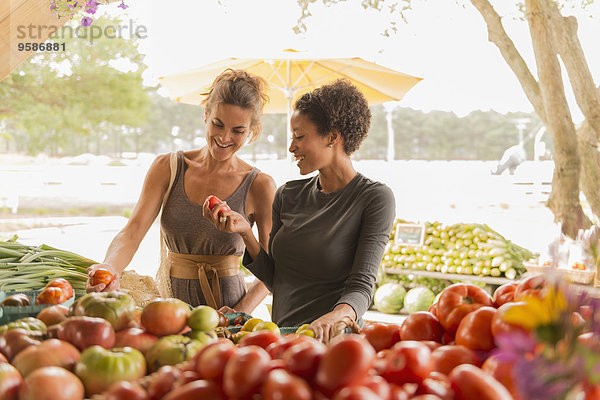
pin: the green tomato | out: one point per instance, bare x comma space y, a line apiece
171, 350
116, 307
98, 367
28, 323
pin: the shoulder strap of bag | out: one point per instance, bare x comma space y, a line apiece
163, 279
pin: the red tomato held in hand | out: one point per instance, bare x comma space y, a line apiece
446, 358
505, 294
51, 295
282, 385
381, 336
62, 284
470, 382
456, 301
102, 275
475, 330
422, 325
346, 361
214, 201
408, 362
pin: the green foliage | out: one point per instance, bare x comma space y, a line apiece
56, 101
439, 135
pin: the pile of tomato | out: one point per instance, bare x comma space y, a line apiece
445, 353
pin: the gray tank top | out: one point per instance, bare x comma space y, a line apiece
188, 232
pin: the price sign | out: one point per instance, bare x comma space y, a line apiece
409, 234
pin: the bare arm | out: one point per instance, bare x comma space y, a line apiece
123, 247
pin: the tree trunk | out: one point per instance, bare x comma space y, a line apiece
587, 97
587, 142
564, 198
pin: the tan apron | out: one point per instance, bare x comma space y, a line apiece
203, 268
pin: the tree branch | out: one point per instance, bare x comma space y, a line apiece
508, 50
564, 200
570, 50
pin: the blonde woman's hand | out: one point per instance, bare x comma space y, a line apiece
225, 219
101, 287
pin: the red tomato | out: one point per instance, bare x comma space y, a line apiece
421, 325
125, 390
303, 359
196, 390
277, 349
381, 336
51, 295
408, 362
399, 393
475, 330
470, 382
431, 344
502, 370
10, 381
245, 372
211, 364
499, 325
436, 384
262, 338
378, 385
433, 309
426, 397
281, 385
445, 358
592, 393
53, 315
530, 286
214, 201
136, 338
456, 301
63, 285
102, 275
163, 317
346, 361
355, 393
163, 381
51, 383
504, 294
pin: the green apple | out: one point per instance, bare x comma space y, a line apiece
203, 318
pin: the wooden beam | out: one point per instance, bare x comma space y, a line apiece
23, 21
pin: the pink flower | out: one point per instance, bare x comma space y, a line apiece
86, 21
123, 5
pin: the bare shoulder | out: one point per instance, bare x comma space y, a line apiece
263, 185
160, 170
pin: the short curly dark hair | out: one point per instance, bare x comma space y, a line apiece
338, 106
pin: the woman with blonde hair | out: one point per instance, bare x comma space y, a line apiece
202, 262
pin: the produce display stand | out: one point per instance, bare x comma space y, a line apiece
489, 280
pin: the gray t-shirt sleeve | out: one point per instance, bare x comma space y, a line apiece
263, 266
376, 225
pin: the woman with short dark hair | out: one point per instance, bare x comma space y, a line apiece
329, 231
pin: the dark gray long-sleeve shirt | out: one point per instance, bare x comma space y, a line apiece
324, 248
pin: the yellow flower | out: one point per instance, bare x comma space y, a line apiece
535, 311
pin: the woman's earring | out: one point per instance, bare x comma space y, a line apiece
330, 145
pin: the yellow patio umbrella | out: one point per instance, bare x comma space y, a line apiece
291, 74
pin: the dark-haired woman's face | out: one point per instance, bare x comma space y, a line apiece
309, 148
227, 129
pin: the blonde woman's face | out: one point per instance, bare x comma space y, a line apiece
227, 129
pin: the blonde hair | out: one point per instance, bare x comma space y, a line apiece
239, 88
